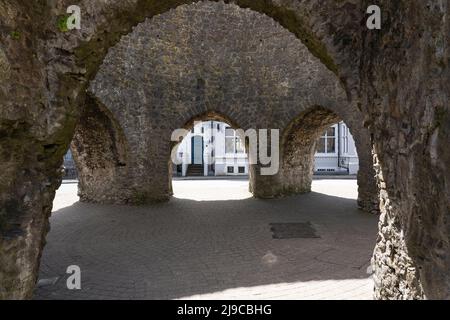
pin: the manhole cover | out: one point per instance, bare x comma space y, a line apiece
47, 282
293, 230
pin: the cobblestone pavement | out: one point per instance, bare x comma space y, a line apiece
212, 241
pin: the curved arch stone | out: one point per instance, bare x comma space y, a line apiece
100, 151
237, 62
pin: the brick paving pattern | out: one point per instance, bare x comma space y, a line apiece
211, 241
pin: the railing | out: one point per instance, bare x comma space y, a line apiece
70, 170
344, 162
70, 174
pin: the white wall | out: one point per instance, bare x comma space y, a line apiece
323, 161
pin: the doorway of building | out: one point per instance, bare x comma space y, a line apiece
197, 150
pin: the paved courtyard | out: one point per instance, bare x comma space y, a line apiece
211, 241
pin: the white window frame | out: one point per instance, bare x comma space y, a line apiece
234, 137
345, 138
335, 137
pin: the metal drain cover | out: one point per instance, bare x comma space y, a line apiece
47, 282
294, 230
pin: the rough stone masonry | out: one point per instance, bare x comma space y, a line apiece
209, 61
396, 77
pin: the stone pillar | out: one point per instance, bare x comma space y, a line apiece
100, 151
412, 255
405, 86
35, 130
120, 165
297, 152
297, 149
24, 211
294, 175
368, 197
152, 177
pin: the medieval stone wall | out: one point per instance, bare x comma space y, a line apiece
213, 57
397, 76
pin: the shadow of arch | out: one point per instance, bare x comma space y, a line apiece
171, 231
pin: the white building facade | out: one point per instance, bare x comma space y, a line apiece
213, 148
336, 152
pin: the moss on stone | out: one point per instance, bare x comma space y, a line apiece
15, 35
62, 23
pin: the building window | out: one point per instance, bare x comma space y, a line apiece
229, 140
212, 139
218, 127
327, 142
241, 169
203, 130
193, 130
345, 132
230, 169
239, 145
233, 144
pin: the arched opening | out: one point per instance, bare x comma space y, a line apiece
209, 154
409, 135
152, 98
304, 152
299, 147
100, 152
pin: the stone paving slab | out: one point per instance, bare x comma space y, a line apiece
211, 241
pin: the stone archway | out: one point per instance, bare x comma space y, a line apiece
44, 74
244, 65
298, 146
100, 152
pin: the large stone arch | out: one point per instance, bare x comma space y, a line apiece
180, 64
43, 74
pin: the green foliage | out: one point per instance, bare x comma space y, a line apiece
15, 35
62, 23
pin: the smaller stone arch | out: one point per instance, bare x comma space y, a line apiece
210, 115
100, 152
297, 149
